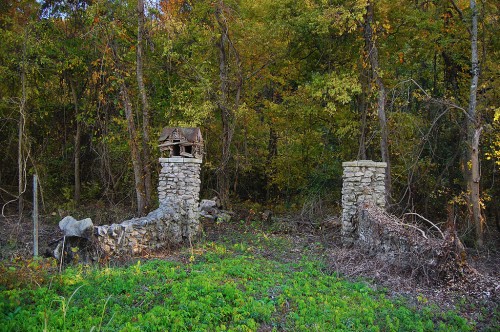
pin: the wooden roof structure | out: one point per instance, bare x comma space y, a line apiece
181, 142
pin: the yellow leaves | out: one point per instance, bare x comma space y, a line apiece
344, 19
334, 89
96, 62
310, 4
493, 151
462, 4
496, 115
242, 111
95, 77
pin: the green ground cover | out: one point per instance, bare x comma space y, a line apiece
221, 286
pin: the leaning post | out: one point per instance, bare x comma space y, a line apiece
35, 216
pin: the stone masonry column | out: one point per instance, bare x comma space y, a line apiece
363, 181
179, 188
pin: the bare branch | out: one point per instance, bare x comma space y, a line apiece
7, 192
427, 220
415, 227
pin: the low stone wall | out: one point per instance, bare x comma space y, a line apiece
363, 181
156, 230
175, 221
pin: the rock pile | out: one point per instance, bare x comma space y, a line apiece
139, 234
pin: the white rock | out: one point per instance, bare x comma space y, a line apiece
72, 227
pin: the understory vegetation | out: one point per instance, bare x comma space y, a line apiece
254, 281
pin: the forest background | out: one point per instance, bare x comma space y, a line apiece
283, 90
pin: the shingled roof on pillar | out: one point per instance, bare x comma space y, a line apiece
181, 142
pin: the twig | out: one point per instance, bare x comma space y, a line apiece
430, 222
62, 254
11, 194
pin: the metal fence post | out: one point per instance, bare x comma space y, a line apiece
35, 215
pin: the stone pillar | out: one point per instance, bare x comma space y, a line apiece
363, 181
179, 188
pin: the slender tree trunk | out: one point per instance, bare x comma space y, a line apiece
227, 119
474, 132
21, 164
496, 215
136, 158
365, 87
145, 106
372, 52
474, 187
137, 163
20, 150
225, 106
272, 152
78, 136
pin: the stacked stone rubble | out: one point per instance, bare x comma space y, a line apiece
363, 182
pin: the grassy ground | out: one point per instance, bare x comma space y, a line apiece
246, 280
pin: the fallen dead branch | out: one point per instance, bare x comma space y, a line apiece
428, 221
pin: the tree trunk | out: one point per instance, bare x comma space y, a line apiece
373, 58
365, 87
20, 151
474, 132
272, 152
227, 119
21, 164
134, 149
224, 104
78, 135
474, 187
145, 106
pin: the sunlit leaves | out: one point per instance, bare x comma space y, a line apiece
334, 89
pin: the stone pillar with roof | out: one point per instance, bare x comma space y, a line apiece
179, 179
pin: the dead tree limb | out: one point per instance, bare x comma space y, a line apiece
427, 220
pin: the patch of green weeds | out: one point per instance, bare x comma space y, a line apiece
225, 288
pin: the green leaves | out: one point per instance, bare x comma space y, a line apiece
227, 287
334, 89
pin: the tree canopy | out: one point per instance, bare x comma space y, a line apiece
283, 90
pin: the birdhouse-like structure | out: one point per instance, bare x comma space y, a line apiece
181, 142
